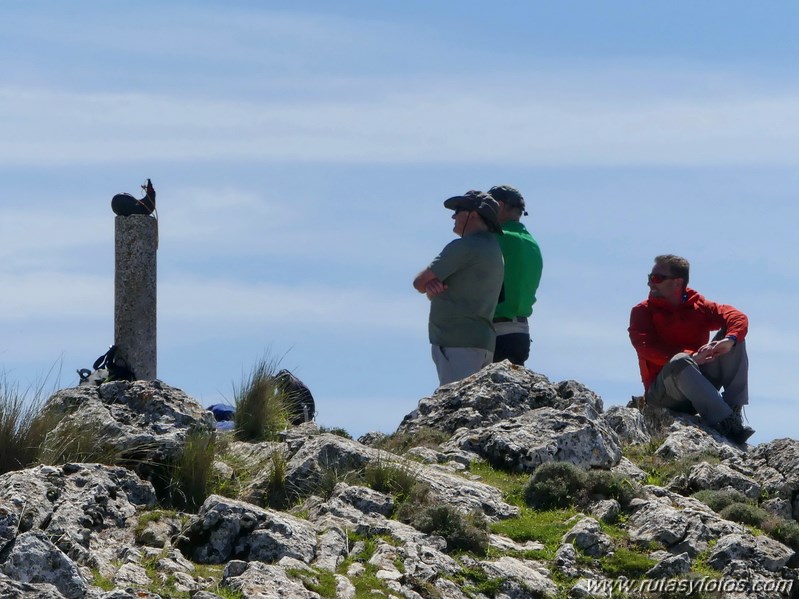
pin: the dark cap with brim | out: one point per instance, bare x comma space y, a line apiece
507, 195
480, 202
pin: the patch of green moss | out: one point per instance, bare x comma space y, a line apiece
101, 581
319, 581
626, 562
511, 484
474, 580
546, 527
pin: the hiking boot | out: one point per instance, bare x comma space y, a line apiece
734, 429
738, 412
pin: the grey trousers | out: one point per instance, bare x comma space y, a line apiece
687, 387
456, 363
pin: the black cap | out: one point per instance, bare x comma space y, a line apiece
508, 195
480, 202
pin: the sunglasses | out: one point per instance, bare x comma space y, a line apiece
657, 279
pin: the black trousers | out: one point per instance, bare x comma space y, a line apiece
514, 347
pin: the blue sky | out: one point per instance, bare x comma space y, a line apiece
302, 151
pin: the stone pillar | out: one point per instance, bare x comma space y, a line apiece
135, 293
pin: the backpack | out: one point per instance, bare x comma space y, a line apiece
300, 402
108, 367
124, 204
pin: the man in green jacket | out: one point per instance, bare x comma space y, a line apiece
523, 267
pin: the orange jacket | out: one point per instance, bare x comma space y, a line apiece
659, 330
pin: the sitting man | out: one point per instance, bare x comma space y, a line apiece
463, 284
680, 369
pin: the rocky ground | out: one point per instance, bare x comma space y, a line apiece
441, 509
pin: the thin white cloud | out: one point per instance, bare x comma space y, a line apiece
426, 123
230, 303
214, 303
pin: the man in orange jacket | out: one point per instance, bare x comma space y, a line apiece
680, 367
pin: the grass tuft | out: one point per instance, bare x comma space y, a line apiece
23, 425
81, 441
190, 476
400, 443
391, 477
261, 405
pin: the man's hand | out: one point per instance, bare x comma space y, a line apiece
712, 350
423, 279
434, 288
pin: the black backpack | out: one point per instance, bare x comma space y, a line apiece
108, 367
124, 204
301, 406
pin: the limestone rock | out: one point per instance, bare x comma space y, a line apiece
628, 424
497, 393
33, 558
520, 576
671, 567
263, 581
14, 589
79, 506
587, 536
766, 553
147, 421
775, 465
544, 435
683, 441
225, 529
721, 476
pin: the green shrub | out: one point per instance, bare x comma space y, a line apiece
261, 404
717, 500
335, 430
785, 531
23, 425
462, 532
555, 485
744, 513
608, 485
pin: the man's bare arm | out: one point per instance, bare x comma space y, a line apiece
427, 282
422, 279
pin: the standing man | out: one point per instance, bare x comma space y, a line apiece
463, 284
523, 267
680, 369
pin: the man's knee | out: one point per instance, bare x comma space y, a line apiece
677, 365
665, 391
